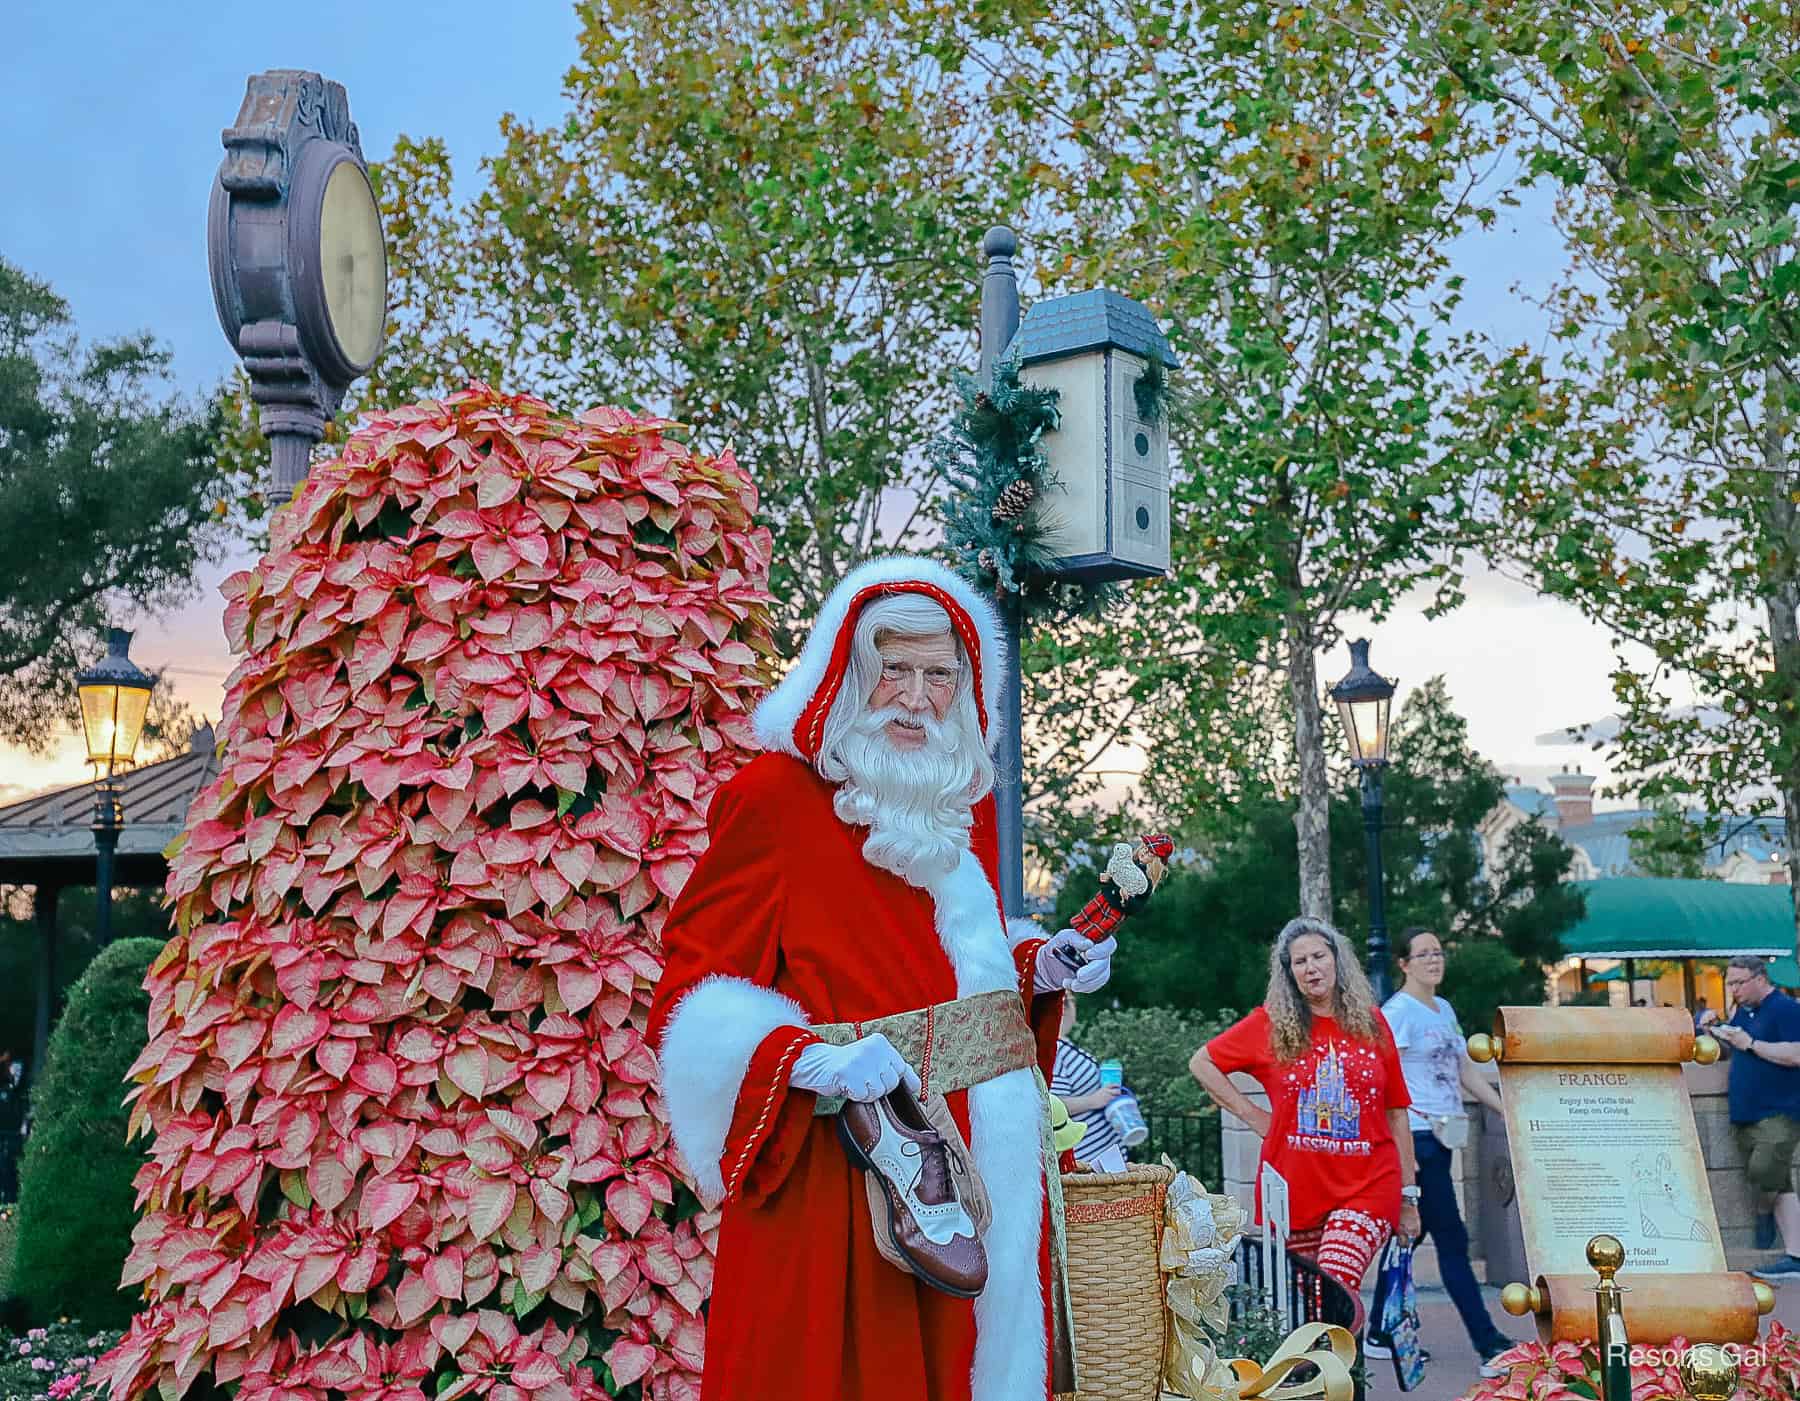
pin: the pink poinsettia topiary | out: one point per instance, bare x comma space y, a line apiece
406, 1143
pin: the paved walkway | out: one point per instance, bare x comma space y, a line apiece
1454, 1367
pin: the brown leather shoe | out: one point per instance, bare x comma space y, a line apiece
927, 1222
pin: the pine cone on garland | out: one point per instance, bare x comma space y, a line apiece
1014, 501
989, 564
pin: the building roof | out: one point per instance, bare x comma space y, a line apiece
1089, 321
1642, 917
1533, 802
59, 824
1606, 839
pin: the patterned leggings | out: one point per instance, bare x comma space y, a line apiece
1344, 1247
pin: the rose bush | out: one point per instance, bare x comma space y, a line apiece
1768, 1371
405, 1138
51, 1361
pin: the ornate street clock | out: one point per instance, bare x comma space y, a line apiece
299, 269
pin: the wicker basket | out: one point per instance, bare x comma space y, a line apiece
1115, 1224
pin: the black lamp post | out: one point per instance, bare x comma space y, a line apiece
115, 695
1362, 700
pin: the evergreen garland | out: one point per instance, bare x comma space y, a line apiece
996, 471
1152, 391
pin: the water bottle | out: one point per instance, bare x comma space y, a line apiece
1112, 1072
1127, 1120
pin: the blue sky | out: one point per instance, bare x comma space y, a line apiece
111, 114
109, 139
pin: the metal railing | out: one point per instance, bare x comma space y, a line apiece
1312, 1296
1191, 1139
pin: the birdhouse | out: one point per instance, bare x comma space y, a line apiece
1108, 517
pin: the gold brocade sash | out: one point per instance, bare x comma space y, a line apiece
954, 1046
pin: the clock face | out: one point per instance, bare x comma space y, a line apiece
353, 264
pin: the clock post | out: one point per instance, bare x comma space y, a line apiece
299, 270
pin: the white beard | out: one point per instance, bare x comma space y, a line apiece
916, 803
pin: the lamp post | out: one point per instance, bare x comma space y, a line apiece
999, 323
1363, 697
299, 269
115, 695
1108, 459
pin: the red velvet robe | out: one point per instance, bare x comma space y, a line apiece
784, 922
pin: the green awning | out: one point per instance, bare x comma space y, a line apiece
1643, 917
1784, 972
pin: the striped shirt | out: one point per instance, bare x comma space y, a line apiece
1077, 1073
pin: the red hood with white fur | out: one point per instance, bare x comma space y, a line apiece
792, 715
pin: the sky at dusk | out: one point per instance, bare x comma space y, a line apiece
109, 140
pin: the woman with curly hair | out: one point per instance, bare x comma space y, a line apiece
1336, 1127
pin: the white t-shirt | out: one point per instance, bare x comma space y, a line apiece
1432, 1051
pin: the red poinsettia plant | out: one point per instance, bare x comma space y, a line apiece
406, 1141
1768, 1370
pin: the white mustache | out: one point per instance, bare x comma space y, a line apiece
924, 721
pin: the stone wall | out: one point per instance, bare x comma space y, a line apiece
1483, 1174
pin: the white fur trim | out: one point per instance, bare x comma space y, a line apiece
706, 1048
780, 710
1006, 1137
1019, 929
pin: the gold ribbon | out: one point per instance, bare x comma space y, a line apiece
1326, 1347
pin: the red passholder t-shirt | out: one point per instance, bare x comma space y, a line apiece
1329, 1133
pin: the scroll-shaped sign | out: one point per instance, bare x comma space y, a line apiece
1608, 1135
1603, 1142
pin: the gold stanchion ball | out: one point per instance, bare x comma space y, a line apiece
1520, 1300
1606, 1254
1765, 1297
1709, 1372
1483, 1048
1706, 1050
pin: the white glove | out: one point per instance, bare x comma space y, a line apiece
1053, 975
863, 1070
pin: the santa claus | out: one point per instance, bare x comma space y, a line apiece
850, 880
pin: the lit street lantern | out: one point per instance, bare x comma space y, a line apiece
115, 697
1363, 698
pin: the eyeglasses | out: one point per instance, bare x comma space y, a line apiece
1435, 956
936, 678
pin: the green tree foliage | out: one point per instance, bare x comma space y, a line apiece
1154, 1044
1651, 479
75, 1182
1669, 843
762, 220
1284, 191
1203, 942
111, 492
757, 217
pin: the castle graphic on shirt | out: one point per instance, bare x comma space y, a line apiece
1328, 1110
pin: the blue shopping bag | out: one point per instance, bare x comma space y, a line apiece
1396, 1312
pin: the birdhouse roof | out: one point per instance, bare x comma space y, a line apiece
1088, 321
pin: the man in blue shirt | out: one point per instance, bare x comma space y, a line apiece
1764, 1037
